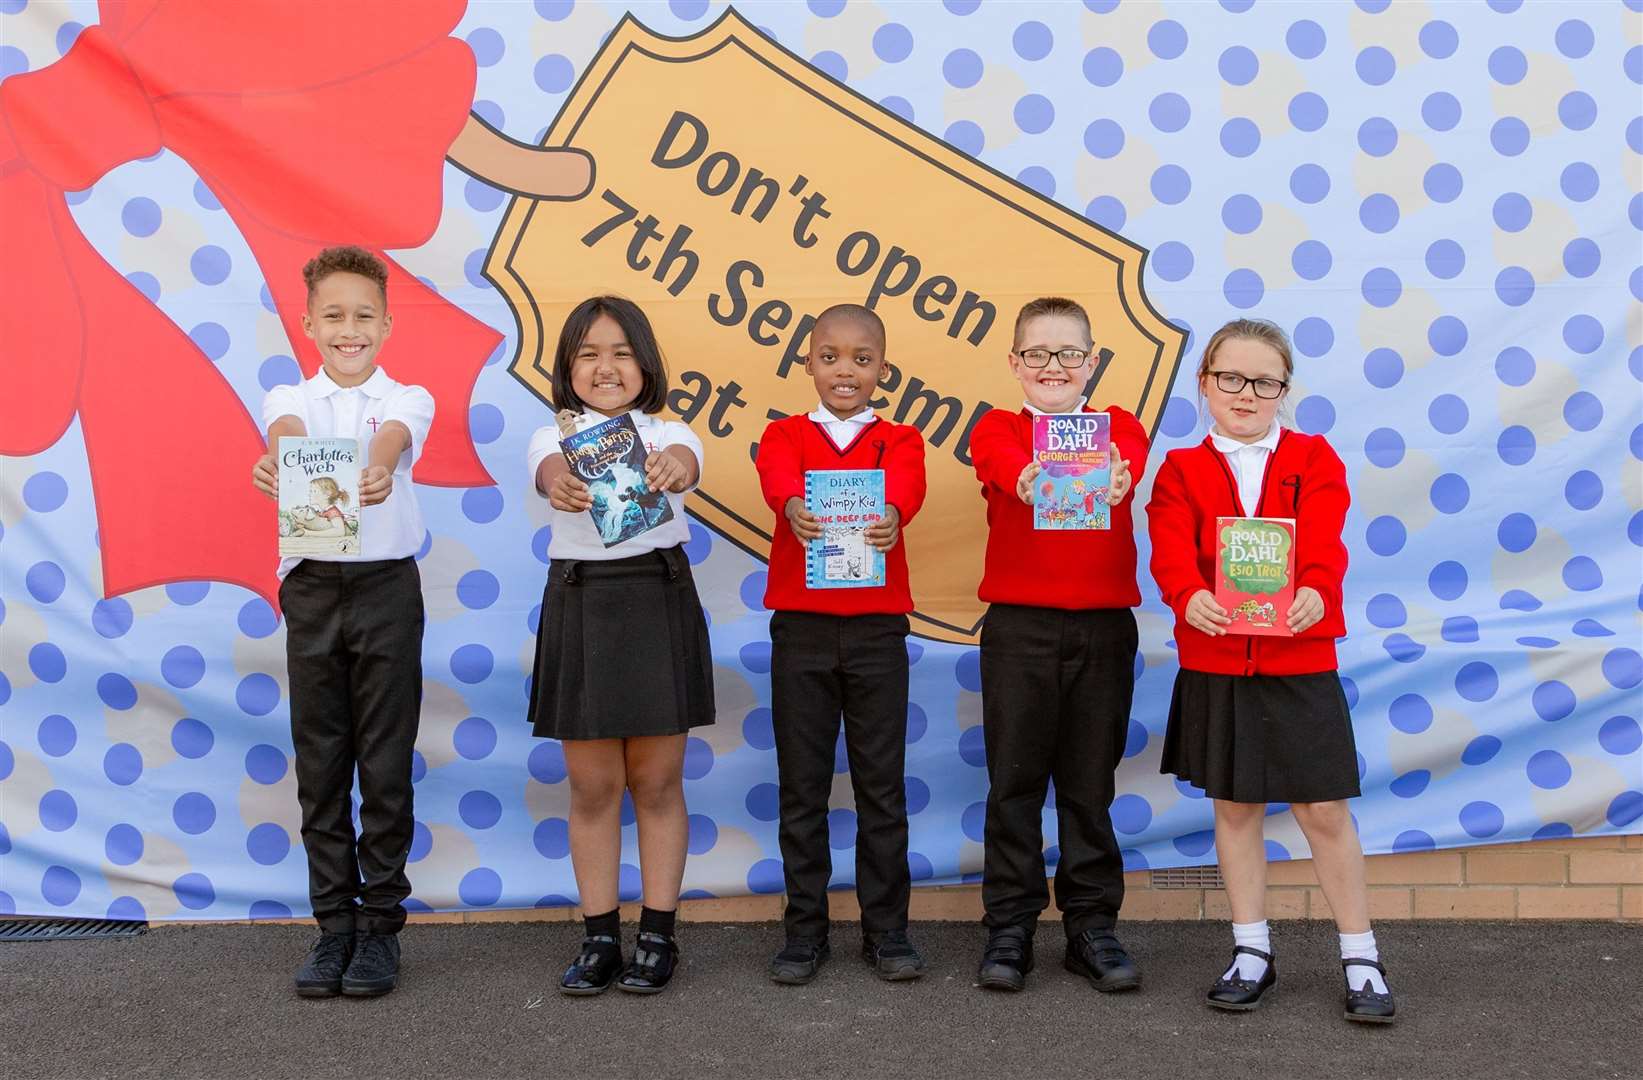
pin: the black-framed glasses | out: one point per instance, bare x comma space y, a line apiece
1230, 382
1068, 358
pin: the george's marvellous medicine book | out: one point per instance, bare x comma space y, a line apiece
610, 458
845, 502
319, 497
1074, 455
1255, 573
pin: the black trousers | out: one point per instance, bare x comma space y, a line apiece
822, 666
1056, 688
353, 650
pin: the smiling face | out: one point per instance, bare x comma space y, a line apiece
1243, 415
348, 319
846, 359
1052, 388
604, 372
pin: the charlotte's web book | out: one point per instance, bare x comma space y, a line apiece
1255, 573
610, 458
845, 502
319, 497
1074, 454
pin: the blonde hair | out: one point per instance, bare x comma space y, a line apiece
1266, 333
1050, 305
335, 494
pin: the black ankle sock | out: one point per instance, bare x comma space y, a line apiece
609, 924
652, 921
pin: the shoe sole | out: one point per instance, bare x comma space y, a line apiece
1249, 1006
1115, 986
369, 990
592, 991
784, 979
1359, 1019
318, 991
1000, 982
905, 974
626, 989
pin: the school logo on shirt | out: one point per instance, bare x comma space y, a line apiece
740, 191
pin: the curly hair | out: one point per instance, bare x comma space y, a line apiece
346, 259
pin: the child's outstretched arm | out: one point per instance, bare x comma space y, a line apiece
1001, 459
1129, 452
1320, 553
265, 474
1172, 524
376, 480
904, 488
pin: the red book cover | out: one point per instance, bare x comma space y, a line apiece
1255, 573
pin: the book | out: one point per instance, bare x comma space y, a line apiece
610, 458
845, 502
319, 497
1255, 573
1074, 454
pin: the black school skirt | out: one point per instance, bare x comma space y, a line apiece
622, 650
1262, 738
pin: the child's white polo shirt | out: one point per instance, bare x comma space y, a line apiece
574, 535
392, 529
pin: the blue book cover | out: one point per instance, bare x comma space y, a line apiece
610, 458
1074, 454
845, 502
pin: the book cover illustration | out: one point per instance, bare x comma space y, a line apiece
610, 458
319, 497
1255, 573
1074, 453
846, 502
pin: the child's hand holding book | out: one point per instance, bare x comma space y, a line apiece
804, 523
1024, 482
265, 476
376, 483
1203, 613
569, 493
884, 532
1119, 485
1307, 609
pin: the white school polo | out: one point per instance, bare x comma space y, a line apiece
842, 432
1248, 461
392, 529
574, 536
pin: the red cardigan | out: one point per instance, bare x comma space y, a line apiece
1304, 480
793, 445
1072, 569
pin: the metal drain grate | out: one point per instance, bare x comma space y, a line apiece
66, 929
1188, 877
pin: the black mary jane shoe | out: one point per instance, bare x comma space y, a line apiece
1007, 960
1365, 1006
655, 958
1241, 995
595, 969
1097, 955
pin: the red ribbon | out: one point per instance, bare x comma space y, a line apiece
313, 124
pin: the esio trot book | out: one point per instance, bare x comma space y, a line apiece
1255, 573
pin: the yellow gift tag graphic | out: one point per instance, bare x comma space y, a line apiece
738, 193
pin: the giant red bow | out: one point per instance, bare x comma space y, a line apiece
313, 124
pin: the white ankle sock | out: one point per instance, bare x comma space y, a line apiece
1255, 936
1362, 947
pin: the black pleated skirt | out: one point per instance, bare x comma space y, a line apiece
1262, 738
622, 650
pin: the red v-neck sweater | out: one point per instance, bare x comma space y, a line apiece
1071, 569
1305, 480
789, 448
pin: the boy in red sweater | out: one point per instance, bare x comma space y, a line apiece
1057, 670
841, 650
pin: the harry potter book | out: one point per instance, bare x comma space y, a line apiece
610, 458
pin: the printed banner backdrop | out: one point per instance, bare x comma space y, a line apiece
1442, 202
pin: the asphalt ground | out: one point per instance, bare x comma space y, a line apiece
1496, 1000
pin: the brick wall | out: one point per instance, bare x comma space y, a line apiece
1590, 878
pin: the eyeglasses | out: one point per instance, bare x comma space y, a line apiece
1230, 382
1068, 358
